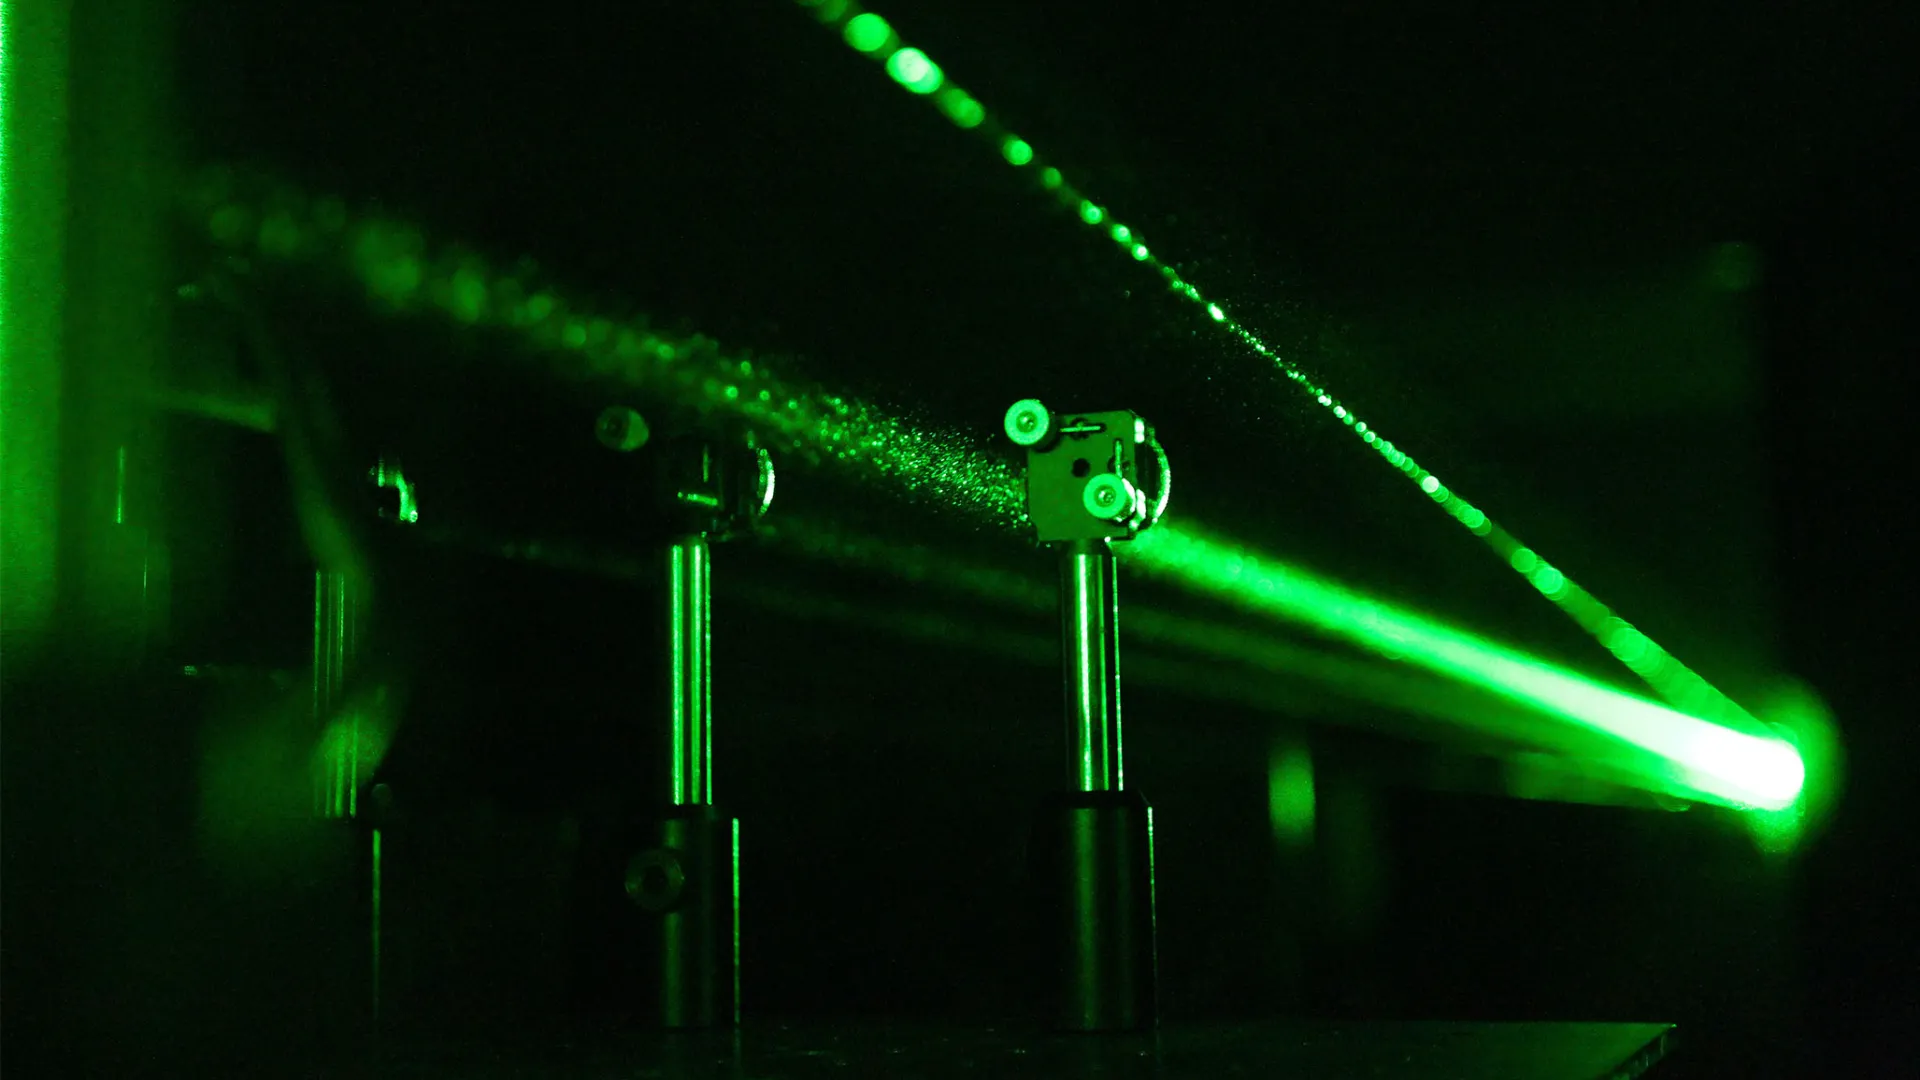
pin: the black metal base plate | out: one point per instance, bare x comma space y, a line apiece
1324, 1050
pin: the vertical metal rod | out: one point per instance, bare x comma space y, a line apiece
1090, 648
690, 712
375, 928
335, 627
734, 953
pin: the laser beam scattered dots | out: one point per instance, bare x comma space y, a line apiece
401, 270
869, 33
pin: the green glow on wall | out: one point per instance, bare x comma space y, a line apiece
1693, 754
33, 215
1796, 709
1681, 686
1290, 792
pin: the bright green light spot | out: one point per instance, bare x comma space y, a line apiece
1017, 152
1548, 580
1524, 560
868, 33
1122, 234
1049, 177
1625, 642
1140, 252
1430, 485
1290, 793
1214, 310
961, 108
1090, 213
911, 69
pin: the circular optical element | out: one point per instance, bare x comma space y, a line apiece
1109, 498
1028, 422
620, 428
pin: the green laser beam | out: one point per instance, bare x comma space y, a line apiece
1671, 679
1660, 747
402, 271
1035, 594
1692, 753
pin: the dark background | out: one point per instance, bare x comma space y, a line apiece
1496, 231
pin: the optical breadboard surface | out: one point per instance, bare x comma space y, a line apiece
1333, 1051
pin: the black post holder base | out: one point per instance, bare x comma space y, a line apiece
682, 884
1092, 867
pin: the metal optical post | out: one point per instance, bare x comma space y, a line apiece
1092, 850
683, 876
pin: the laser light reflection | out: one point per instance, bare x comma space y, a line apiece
870, 33
1693, 753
